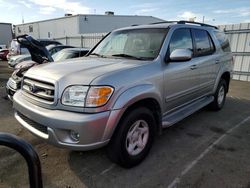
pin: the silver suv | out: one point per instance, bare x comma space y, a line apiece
135, 82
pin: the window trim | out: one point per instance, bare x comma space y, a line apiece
211, 43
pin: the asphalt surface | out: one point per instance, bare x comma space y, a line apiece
207, 149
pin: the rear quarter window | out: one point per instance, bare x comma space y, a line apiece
223, 40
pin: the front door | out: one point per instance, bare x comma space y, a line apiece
181, 79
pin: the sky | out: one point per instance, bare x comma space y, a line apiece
214, 11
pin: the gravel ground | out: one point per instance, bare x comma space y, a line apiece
207, 149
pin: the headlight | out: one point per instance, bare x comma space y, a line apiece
83, 96
74, 96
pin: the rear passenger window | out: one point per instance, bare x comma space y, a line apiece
203, 42
181, 39
224, 43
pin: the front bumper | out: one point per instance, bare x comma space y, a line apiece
55, 125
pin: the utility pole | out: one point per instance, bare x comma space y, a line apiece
203, 19
22, 19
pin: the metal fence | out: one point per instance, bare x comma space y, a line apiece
239, 38
85, 40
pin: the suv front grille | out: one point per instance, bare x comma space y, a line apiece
33, 124
39, 89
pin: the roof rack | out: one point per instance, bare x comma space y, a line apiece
156, 23
185, 22
196, 23
162, 22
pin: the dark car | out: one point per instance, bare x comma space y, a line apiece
70, 53
3, 54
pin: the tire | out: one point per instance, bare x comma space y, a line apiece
126, 148
219, 96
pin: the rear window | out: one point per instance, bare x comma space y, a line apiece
224, 43
203, 42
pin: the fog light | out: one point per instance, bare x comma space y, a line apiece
75, 135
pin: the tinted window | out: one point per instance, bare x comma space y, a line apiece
203, 42
224, 43
181, 39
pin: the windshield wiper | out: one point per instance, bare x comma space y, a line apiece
129, 56
98, 55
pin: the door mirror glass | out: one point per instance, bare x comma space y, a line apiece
181, 55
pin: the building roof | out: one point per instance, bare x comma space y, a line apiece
65, 17
2, 23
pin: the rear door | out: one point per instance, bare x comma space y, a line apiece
206, 59
180, 78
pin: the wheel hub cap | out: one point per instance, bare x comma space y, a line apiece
137, 137
221, 95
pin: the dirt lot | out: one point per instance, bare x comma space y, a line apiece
207, 149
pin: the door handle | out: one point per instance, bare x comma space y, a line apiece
193, 67
217, 61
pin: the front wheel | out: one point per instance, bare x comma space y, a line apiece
219, 96
133, 138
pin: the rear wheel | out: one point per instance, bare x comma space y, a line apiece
133, 138
219, 96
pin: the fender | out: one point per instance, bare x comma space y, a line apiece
126, 99
137, 93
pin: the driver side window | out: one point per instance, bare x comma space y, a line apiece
181, 39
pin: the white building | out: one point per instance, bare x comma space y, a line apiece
80, 24
5, 33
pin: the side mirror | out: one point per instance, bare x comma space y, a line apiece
181, 55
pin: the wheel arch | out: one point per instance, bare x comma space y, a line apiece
226, 76
143, 96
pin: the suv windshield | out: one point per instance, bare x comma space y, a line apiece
134, 43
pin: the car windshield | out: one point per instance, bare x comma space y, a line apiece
142, 44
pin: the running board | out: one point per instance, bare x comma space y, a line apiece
182, 113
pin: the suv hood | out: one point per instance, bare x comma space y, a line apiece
82, 70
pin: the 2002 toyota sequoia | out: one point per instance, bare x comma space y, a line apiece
133, 83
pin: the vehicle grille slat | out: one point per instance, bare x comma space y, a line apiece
38, 84
39, 90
